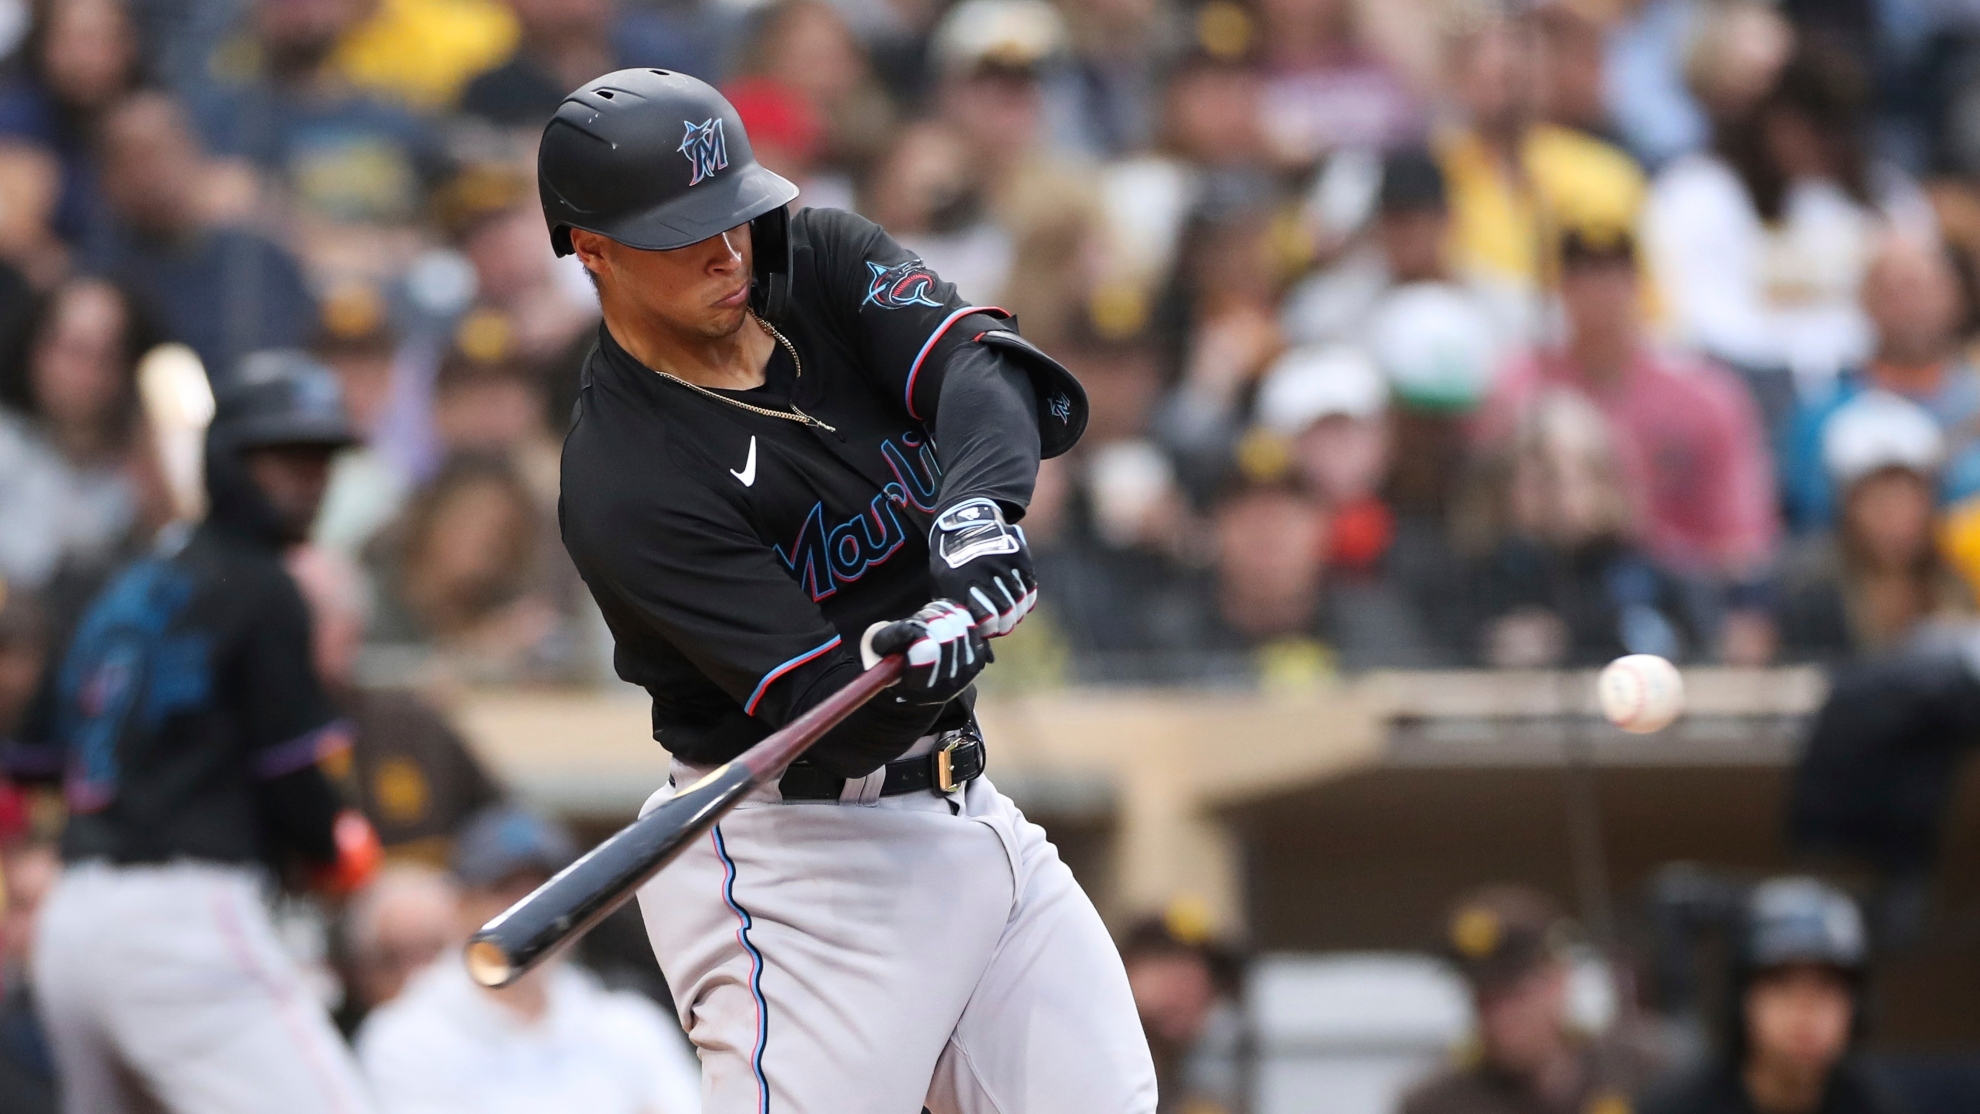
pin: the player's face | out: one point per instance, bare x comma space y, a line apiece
701, 290
292, 478
1798, 1017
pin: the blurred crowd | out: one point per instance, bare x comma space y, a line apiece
1418, 333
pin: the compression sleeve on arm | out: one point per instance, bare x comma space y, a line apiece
986, 430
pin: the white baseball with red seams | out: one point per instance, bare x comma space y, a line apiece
1640, 693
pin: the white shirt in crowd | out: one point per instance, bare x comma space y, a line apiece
445, 1046
1779, 296
51, 509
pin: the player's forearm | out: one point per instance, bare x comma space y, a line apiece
301, 810
986, 431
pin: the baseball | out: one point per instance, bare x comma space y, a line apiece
1640, 693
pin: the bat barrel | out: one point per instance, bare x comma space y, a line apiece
590, 889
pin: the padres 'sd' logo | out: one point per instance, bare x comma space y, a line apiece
706, 150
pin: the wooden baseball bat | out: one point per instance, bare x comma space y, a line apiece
587, 891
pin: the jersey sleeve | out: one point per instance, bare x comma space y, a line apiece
689, 570
903, 319
287, 719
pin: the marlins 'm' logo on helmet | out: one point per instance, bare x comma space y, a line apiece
903, 284
705, 148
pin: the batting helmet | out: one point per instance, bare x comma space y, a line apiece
281, 397
658, 160
1803, 920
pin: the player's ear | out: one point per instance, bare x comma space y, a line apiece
589, 247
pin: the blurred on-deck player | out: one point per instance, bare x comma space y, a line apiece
796, 447
186, 722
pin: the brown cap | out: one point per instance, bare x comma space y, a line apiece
1498, 934
1597, 243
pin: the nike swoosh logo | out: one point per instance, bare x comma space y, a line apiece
748, 473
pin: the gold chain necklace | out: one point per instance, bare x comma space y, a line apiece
793, 415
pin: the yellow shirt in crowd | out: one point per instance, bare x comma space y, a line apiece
423, 51
1501, 223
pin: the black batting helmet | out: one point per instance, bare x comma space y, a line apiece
281, 397
276, 398
1803, 920
658, 160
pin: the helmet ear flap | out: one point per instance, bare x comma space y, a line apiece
770, 245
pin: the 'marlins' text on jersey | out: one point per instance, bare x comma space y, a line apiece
738, 557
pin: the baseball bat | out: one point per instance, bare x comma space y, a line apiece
587, 891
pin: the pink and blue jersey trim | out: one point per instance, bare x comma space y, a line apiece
763, 686
922, 356
743, 924
304, 750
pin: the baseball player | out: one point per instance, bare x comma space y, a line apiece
795, 448
186, 722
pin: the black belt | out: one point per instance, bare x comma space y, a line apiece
957, 757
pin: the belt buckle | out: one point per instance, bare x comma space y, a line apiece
945, 772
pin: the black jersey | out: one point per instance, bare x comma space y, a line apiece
185, 718
739, 557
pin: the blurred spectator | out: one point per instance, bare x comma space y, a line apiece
24, 648
351, 169
1870, 585
1410, 250
461, 574
1912, 297
1556, 579
1687, 436
1219, 318
491, 212
1515, 180
1329, 406
28, 869
1760, 246
1571, 64
222, 289
553, 1040
1797, 1011
1105, 100
1272, 597
1185, 987
398, 925
565, 43
65, 464
82, 57
1511, 944
1324, 88
1674, 66
422, 51
929, 193
1440, 353
993, 55
1208, 130
368, 482
806, 46
408, 771
787, 135
488, 403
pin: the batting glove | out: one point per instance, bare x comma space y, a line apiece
983, 563
944, 650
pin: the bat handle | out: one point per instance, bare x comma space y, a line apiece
590, 889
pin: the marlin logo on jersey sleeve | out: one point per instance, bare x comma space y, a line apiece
901, 285
707, 151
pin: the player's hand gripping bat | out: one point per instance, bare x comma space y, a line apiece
587, 891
